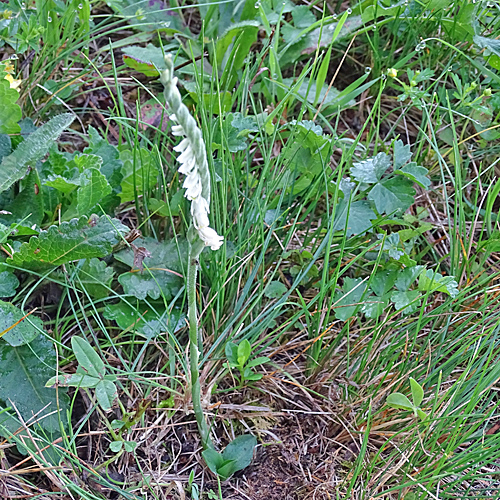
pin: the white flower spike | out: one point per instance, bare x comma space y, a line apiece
192, 159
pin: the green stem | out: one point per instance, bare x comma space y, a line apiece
194, 353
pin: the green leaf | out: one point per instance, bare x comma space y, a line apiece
258, 361
231, 351
245, 34
275, 290
244, 351
77, 239
23, 333
383, 281
399, 401
116, 446
402, 154
371, 171
415, 173
417, 393
240, 452
402, 300
32, 149
490, 44
22, 381
406, 277
360, 217
147, 60
374, 306
10, 112
27, 206
88, 360
422, 415
392, 196
140, 173
105, 393
8, 285
93, 188
352, 291
430, 280
96, 277
213, 459
73, 380
392, 245
129, 446
163, 273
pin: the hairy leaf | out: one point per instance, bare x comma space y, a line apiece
371, 170
34, 147
77, 239
392, 196
93, 188
10, 112
8, 285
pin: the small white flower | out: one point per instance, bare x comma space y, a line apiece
210, 237
178, 131
199, 211
192, 185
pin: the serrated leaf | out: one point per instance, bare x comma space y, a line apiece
275, 290
402, 154
430, 280
371, 171
402, 300
399, 401
352, 291
417, 393
105, 393
74, 240
360, 217
94, 187
391, 245
23, 333
33, 148
392, 196
373, 306
88, 360
140, 173
162, 275
22, 381
415, 173
8, 285
383, 281
10, 112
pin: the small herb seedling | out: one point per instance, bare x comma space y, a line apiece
401, 402
238, 356
90, 374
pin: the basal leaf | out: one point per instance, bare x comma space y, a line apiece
370, 171
406, 277
23, 333
105, 393
34, 147
392, 196
10, 112
240, 452
77, 239
25, 369
275, 290
417, 392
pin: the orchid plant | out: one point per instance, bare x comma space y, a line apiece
194, 165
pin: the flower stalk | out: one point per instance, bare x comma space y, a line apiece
194, 165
